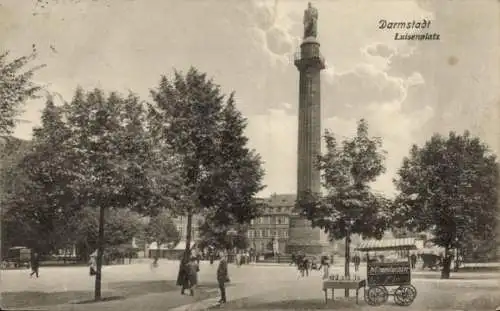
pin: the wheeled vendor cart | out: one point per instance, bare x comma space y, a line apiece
382, 273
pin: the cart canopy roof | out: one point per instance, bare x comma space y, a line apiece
387, 245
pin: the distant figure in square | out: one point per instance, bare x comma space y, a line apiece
211, 255
294, 260
357, 261
238, 259
35, 265
325, 264
222, 277
92, 266
307, 265
413, 260
154, 264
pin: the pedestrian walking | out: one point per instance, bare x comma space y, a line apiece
238, 259
192, 274
183, 276
325, 264
222, 277
211, 255
413, 259
92, 266
35, 265
307, 265
357, 261
154, 264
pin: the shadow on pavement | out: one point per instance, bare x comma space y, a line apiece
31, 299
294, 304
137, 288
104, 299
114, 291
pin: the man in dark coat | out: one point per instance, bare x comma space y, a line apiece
192, 274
211, 254
183, 276
413, 259
35, 265
222, 277
357, 260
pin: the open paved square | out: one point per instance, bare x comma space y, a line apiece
465, 291
253, 287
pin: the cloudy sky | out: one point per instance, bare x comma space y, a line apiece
406, 90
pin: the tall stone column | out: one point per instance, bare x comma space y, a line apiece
302, 237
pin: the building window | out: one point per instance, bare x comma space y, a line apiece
285, 220
268, 232
252, 222
259, 220
274, 233
280, 220
250, 234
259, 233
285, 233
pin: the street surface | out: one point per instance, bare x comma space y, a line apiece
465, 291
253, 287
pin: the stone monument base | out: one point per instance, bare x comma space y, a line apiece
305, 238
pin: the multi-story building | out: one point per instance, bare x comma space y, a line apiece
181, 225
273, 224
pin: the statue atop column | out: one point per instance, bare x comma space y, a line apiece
310, 21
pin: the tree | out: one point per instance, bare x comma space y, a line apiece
448, 187
238, 173
16, 86
161, 229
12, 151
43, 200
349, 205
109, 139
196, 122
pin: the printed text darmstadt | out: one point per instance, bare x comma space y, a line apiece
418, 27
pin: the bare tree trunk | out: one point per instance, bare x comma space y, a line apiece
347, 259
100, 253
189, 226
445, 272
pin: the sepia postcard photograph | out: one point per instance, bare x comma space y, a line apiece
192, 155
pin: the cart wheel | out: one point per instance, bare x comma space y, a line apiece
404, 295
376, 295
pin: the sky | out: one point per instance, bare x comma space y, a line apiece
406, 90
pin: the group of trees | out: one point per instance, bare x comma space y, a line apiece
448, 187
101, 163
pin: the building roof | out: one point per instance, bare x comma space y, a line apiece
387, 244
279, 200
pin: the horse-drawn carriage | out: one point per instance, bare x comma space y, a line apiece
383, 273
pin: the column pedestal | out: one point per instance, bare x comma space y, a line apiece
304, 238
